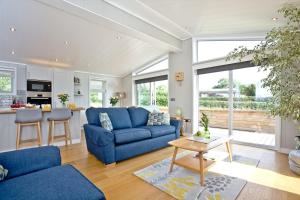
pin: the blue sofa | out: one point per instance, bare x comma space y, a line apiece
37, 173
131, 135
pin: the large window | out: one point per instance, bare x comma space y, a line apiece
7, 81
208, 50
97, 92
153, 92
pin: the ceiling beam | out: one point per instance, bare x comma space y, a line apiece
105, 14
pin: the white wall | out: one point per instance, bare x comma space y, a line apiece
113, 85
127, 84
182, 93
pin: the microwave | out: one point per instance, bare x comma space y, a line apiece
39, 86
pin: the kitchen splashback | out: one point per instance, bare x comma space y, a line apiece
7, 100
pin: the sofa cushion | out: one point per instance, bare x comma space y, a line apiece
157, 119
3, 173
138, 116
105, 121
157, 131
61, 182
119, 117
123, 136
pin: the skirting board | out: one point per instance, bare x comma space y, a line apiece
59, 144
284, 150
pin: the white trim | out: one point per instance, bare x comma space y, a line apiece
98, 74
195, 119
149, 65
150, 75
284, 150
236, 37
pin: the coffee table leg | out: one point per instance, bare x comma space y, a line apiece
173, 159
201, 168
228, 147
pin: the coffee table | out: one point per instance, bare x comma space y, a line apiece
197, 163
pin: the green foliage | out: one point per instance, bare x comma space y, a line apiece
279, 54
144, 97
5, 83
95, 101
248, 90
113, 100
204, 121
222, 84
162, 96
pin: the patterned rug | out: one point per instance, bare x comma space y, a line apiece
182, 183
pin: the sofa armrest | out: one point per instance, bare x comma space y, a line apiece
26, 161
178, 125
99, 135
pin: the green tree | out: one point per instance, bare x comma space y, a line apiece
5, 83
248, 90
222, 84
144, 97
162, 96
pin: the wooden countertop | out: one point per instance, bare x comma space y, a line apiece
12, 111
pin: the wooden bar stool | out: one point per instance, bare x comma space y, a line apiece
59, 115
28, 117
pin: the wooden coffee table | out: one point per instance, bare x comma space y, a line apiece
198, 163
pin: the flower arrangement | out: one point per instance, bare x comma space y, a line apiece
63, 98
114, 100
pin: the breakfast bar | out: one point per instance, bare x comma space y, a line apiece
9, 128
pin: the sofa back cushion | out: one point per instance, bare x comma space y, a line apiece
119, 117
138, 116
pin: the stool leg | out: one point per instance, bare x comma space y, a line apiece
52, 131
49, 133
18, 136
39, 133
66, 133
69, 131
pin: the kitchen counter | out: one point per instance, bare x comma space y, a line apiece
9, 129
12, 111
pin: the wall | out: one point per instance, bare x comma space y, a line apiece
181, 92
113, 84
128, 89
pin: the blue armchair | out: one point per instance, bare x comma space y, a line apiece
37, 173
131, 135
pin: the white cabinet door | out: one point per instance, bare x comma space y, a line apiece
39, 73
21, 78
63, 82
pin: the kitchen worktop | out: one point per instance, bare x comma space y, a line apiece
12, 111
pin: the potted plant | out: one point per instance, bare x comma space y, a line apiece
279, 55
113, 101
204, 122
63, 99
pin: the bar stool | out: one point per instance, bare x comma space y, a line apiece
28, 117
59, 115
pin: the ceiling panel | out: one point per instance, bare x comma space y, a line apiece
41, 35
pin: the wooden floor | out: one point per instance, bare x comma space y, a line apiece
271, 180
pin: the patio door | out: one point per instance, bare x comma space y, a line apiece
234, 100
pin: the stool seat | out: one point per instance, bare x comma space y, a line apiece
28, 117
60, 114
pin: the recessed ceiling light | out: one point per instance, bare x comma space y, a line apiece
12, 29
56, 59
67, 43
274, 18
12, 52
118, 37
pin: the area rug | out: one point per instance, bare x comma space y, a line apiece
182, 183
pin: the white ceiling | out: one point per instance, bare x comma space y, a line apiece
41, 32
207, 18
118, 36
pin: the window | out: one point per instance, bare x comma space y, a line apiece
158, 66
7, 81
97, 92
153, 92
208, 50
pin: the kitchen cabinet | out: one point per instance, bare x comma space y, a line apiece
21, 78
63, 82
39, 73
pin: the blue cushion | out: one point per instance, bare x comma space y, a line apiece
138, 116
62, 182
157, 131
130, 135
119, 117
25, 161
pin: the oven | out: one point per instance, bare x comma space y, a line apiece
39, 92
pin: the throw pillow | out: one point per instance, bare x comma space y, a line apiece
3, 173
157, 119
105, 121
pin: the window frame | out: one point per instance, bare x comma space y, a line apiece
13, 72
102, 90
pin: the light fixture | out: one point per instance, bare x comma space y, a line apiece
67, 43
274, 18
12, 29
118, 37
56, 59
12, 52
